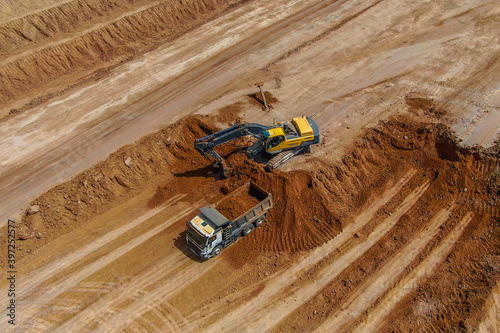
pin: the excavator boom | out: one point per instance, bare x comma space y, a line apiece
206, 145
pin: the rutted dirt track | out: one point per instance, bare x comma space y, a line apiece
392, 223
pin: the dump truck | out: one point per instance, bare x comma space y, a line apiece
280, 141
210, 231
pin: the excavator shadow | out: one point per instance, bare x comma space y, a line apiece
206, 172
180, 243
215, 173
262, 158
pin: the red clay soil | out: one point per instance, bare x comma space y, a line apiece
453, 298
152, 161
418, 102
311, 207
235, 205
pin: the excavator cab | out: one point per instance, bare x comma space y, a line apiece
291, 135
274, 138
275, 141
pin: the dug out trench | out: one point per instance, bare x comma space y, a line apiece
311, 207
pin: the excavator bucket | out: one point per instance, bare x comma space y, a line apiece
228, 172
226, 169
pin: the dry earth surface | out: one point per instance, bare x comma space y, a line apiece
391, 223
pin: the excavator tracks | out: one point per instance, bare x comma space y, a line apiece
282, 158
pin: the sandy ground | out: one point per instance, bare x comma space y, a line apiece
400, 227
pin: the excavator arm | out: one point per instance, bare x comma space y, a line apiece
207, 144
284, 140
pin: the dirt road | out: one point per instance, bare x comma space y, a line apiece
389, 224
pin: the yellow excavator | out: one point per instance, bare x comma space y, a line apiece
281, 141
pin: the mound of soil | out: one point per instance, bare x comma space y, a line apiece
149, 163
235, 205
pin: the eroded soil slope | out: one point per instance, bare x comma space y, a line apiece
312, 207
61, 44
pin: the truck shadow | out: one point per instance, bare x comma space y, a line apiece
180, 243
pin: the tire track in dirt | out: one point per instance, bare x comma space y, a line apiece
177, 282
106, 304
368, 5
95, 287
169, 314
409, 282
262, 317
46, 294
387, 275
43, 274
278, 311
169, 318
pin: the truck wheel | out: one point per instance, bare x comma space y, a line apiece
217, 251
248, 230
261, 220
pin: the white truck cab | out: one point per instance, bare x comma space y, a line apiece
204, 231
208, 233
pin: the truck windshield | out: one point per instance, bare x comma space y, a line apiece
199, 239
